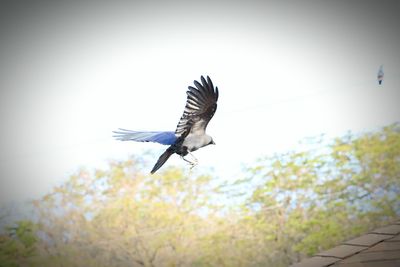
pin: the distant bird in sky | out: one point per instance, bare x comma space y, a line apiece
190, 133
380, 75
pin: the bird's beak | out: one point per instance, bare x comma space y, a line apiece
213, 143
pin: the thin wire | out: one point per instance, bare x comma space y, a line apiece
269, 104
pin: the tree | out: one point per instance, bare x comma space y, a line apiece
285, 207
308, 201
17, 244
121, 217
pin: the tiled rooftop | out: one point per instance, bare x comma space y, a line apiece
378, 248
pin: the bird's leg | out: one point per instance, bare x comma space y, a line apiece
188, 161
192, 162
194, 158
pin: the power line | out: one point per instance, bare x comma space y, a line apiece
268, 104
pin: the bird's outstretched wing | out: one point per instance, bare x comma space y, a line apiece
201, 105
165, 138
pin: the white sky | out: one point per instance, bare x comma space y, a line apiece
71, 74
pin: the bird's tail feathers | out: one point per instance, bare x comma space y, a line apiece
162, 159
128, 135
165, 138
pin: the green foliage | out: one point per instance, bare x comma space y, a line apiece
120, 217
17, 244
319, 198
286, 207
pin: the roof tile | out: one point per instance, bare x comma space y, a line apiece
367, 240
390, 230
390, 263
316, 261
394, 239
374, 256
385, 246
352, 264
342, 251
379, 248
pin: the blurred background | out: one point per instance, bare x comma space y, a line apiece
308, 144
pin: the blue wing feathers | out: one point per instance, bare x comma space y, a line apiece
165, 138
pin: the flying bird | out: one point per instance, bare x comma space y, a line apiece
380, 75
190, 133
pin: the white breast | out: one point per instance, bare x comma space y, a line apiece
194, 142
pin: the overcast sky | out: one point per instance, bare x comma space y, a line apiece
71, 73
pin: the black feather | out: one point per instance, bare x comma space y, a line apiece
198, 85
200, 106
162, 159
210, 82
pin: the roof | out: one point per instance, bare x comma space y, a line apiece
378, 248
